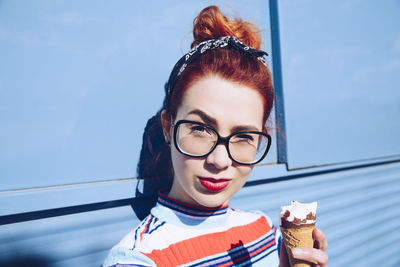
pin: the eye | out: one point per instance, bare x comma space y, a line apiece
197, 129
243, 137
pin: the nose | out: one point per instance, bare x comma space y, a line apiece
219, 158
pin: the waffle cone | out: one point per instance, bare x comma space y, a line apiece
297, 237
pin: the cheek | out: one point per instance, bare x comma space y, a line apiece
177, 162
245, 171
184, 166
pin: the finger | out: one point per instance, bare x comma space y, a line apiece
284, 259
320, 239
313, 255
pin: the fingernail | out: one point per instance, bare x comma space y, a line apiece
297, 252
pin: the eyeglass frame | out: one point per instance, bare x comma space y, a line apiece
220, 139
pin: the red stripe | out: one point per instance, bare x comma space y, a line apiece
209, 244
273, 242
145, 228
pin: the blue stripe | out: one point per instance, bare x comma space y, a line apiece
240, 251
279, 245
263, 256
190, 210
127, 265
279, 241
250, 260
150, 224
262, 242
158, 226
137, 229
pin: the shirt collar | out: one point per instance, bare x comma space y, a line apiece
190, 210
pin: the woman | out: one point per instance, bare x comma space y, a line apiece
218, 99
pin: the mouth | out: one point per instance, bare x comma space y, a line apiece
214, 185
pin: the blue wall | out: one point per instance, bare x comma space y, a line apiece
78, 81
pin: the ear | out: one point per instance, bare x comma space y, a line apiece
166, 126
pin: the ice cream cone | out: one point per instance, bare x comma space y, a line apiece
297, 222
297, 237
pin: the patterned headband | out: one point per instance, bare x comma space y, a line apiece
226, 42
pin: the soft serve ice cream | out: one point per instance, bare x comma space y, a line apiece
297, 214
297, 223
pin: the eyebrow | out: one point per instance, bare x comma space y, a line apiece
213, 122
206, 118
245, 128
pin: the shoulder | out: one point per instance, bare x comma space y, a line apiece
256, 219
127, 249
251, 216
148, 230
130, 240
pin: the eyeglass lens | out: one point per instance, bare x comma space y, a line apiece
197, 140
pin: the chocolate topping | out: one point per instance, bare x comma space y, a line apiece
296, 221
287, 224
298, 214
287, 214
310, 216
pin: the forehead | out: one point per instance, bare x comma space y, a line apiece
229, 103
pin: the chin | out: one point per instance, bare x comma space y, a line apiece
211, 201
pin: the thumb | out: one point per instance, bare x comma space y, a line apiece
284, 259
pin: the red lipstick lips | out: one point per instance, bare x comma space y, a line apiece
214, 185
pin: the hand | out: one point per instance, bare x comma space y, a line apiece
316, 255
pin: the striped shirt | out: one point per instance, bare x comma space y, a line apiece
177, 234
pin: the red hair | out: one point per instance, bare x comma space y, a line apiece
155, 157
230, 65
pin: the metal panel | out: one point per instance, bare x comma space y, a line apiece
340, 65
82, 239
79, 81
358, 210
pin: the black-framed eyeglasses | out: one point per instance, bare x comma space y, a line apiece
198, 140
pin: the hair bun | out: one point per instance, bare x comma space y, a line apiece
212, 24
